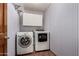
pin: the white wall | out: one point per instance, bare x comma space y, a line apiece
13, 27
61, 21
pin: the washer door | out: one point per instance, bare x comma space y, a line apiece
24, 41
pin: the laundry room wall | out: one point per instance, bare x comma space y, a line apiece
61, 21
29, 28
13, 27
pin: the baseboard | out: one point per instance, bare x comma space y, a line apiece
54, 53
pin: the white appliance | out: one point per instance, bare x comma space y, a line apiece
24, 43
41, 40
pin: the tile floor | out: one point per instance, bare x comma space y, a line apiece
41, 53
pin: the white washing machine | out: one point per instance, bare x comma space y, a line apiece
24, 43
41, 40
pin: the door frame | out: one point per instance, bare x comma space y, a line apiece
5, 27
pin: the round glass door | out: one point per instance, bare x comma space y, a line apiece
24, 41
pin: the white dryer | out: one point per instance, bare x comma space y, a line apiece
24, 43
41, 40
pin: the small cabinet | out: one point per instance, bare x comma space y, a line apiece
30, 19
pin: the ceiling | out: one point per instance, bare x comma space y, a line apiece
35, 6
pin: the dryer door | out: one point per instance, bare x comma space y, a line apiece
42, 37
24, 41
